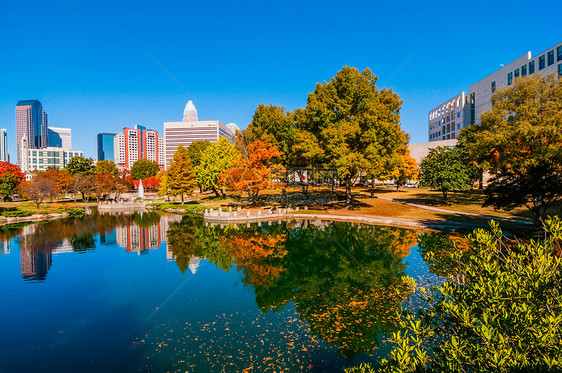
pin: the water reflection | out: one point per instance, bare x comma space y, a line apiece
316, 288
346, 280
136, 232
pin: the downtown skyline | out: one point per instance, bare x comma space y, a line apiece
97, 68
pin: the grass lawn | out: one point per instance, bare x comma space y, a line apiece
46, 207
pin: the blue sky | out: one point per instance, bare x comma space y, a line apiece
99, 66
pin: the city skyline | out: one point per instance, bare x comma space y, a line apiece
111, 72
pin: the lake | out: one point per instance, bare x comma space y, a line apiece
151, 292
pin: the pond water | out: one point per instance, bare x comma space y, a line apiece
150, 292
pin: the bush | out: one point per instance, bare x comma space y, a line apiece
75, 211
14, 212
500, 312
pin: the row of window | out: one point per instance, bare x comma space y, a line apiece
543, 60
34, 153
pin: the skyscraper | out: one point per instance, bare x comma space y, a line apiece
31, 123
3, 145
190, 130
106, 147
60, 137
136, 143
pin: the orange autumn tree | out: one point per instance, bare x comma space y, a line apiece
256, 171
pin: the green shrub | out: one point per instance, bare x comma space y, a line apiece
500, 312
75, 211
13, 212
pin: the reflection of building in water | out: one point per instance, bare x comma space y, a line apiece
63, 247
194, 264
108, 238
138, 239
5, 247
34, 264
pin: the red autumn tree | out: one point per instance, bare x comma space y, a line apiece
256, 171
10, 178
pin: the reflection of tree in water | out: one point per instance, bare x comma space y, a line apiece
440, 251
346, 280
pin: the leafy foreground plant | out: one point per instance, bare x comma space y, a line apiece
501, 312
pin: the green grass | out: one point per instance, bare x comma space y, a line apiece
187, 207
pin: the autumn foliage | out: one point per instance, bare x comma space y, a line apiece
256, 171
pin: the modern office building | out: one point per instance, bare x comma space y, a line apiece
119, 149
447, 119
136, 143
190, 130
31, 122
106, 147
4, 146
41, 159
59, 137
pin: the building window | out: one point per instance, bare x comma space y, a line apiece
516, 73
531, 67
550, 58
560, 69
459, 114
459, 126
541, 62
559, 53
493, 87
524, 70
509, 78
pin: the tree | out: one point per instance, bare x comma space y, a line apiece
501, 311
276, 125
520, 142
306, 154
355, 123
254, 173
102, 184
215, 160
41, 186
10, 178
444, 169
195, 152
144, 168
106, 166
80, 166
180, 179
403, 168
83, 184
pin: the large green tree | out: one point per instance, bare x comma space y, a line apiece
356, 124
215, 160
519, 141
106, 166
144, 168
195, 152
445, 169
80, 166
277, 125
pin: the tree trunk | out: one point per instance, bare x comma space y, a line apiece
217, 194
481, 179
445, 196
83, 197
182, 198
397, 187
